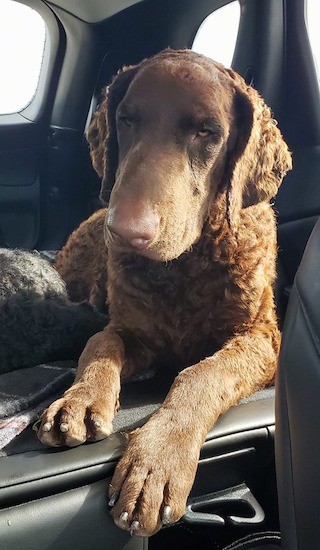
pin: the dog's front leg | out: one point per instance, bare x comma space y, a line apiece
153, 479
86, 410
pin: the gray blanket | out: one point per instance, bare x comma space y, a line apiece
38, 325
26, 392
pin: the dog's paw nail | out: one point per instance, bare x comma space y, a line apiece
124, 517
47, 427
64, 427
113, 499
166, 515
97, 424
36, 425
134, 527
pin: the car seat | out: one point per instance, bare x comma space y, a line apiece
298, 407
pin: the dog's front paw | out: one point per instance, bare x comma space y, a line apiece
79, 415
153, 479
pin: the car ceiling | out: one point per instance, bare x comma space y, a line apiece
93, 11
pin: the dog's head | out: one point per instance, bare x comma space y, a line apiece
171, 134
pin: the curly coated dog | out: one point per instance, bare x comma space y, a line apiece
38, 321
185, 257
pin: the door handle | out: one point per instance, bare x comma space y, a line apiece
216, 508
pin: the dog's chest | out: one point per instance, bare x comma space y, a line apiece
179, 308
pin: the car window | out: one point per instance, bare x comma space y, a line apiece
217, 35
312, 19
22, 42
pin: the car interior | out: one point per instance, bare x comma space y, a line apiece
57, 499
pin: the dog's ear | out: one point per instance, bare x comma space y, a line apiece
102, 133
258, 157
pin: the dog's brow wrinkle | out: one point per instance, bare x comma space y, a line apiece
190, 163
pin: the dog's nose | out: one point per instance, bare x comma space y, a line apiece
138, 228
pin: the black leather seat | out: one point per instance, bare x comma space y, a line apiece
298, 408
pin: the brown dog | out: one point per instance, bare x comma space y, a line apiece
191, 156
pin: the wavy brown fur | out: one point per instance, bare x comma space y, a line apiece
199, 294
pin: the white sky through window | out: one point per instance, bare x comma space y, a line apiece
217, 35
22, 40
313, 25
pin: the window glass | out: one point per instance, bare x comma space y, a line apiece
22, 41
217, 35
313, 21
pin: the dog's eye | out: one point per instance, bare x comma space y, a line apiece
125, 120
204, 133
